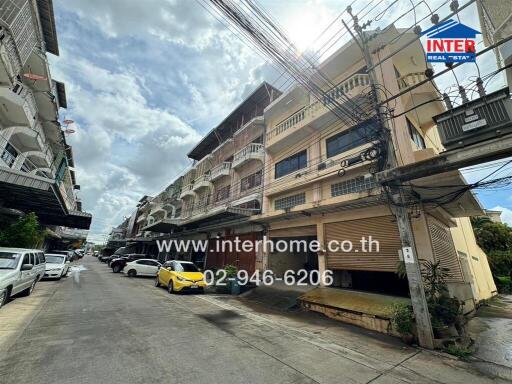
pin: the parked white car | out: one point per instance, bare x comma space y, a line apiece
57, 266
142, 267
20, 270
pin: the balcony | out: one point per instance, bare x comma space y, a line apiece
422, 95
17, 16
187, 190
314, 116
220, 170
12, 60
202, 181
252, 151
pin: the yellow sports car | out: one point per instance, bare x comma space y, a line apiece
180, 276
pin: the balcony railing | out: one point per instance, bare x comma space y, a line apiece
12, 56
251, 151
18, 18
308, 112
220, 170
187, 190
202, 181
410, 79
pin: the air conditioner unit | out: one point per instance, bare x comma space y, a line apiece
479, 120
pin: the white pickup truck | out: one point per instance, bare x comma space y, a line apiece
20, 270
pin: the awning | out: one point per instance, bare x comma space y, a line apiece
440, 190
163, 226
31, 193
219, 214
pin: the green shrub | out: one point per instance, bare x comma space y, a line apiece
23, 233
402, 318
444, 310
500, 262
231, 270
458, 350
503, 284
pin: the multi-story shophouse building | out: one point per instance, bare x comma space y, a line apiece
314, 191
224, 186
36, 163
162, 219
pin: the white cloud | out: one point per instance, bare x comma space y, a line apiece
176, 21
506, 214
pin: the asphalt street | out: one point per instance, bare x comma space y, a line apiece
100, 327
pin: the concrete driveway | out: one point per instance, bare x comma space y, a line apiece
100, 327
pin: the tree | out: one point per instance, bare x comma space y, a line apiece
492, 236
23, 233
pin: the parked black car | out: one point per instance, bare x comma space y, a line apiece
118, 253
118, 264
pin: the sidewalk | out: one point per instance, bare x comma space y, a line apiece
492, 330
393, 361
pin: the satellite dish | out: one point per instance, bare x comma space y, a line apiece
68, 121
33, 76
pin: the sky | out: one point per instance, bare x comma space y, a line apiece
145, 80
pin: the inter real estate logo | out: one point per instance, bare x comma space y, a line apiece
451, 42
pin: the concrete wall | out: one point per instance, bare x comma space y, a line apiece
478, 265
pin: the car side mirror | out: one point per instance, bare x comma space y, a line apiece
67, 262
27, 267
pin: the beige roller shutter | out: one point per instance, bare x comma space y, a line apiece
307, 230
444, 250
382, 229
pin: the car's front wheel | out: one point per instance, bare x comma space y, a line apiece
116, 268
4, 296
132, 273
170, 287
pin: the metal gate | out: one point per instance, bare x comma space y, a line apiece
382, 229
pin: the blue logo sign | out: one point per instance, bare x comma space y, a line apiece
451, 42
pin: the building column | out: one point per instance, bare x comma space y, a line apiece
322, 255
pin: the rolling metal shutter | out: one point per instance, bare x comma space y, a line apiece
308, 230
444, 250
382, 229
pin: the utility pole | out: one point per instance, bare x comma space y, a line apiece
410, 257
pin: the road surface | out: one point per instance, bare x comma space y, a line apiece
99, 327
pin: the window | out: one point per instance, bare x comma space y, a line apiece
415, 135
43, 258
186, 267
251, 181
26, 258
290, 201
9, 155
354, 185
291, 164
222, 193
351, 138
37, 261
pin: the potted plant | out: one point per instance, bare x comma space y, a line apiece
444, 310
402, 319
231, 273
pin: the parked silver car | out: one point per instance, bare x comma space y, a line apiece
20, 270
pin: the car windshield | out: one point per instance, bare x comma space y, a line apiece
54, 259
9, 260
186, 267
